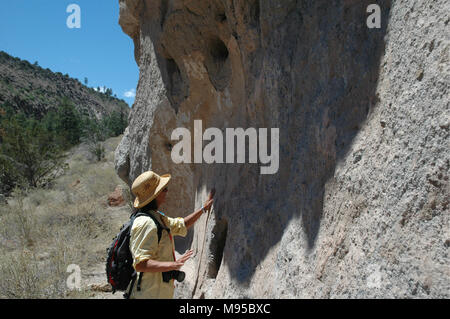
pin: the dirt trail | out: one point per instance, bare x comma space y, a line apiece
95, 281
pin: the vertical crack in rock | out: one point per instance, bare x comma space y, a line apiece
216, 247
164, 8
252, 17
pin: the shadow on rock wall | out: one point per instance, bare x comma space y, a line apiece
320, 67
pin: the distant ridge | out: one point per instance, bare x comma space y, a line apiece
34, 90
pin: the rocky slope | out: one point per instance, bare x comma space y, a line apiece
34, 90
359, 205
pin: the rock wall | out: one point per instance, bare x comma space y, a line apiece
359, 205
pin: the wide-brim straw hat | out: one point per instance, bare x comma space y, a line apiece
147, 186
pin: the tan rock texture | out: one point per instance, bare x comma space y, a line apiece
359, 206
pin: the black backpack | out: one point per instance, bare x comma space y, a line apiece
119, 261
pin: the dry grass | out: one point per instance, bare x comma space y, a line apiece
42, 231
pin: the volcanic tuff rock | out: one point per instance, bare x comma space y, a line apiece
359, 206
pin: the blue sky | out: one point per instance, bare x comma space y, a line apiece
36, 30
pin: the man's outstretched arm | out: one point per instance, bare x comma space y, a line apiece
192, 218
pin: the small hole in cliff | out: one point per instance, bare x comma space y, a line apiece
221, 17
168, 146
216, 247
218, 64
218, 50
177, 86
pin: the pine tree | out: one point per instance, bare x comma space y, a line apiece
28, 152
68, 122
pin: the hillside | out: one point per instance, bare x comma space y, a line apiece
35, 90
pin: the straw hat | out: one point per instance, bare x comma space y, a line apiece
147, 186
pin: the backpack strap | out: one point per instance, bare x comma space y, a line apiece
158, 224
139, 281
128, 294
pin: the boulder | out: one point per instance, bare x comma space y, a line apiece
116, 198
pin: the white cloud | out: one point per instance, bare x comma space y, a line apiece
102, 89
130, 94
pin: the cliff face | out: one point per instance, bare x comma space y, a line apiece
359, 205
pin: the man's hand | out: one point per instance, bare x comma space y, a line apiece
210, 200
180, 261
208, 204
192, 218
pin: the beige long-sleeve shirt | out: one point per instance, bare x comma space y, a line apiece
144, 245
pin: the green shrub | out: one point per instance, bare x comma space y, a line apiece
29, 149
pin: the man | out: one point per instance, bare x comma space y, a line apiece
152, 258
